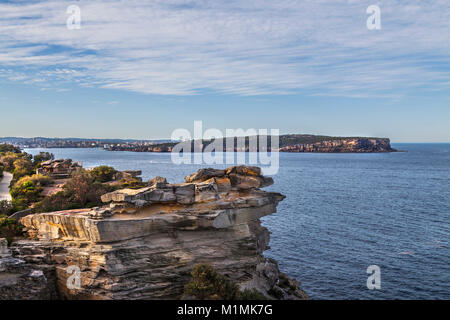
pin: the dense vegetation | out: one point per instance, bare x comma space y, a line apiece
6, 207
25, 185
8, 148
103, 173
18, 163
81, 191
208, 284
27, 190
41, 157
9, 228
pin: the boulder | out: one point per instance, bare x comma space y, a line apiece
157, 181
204, 174
244, 170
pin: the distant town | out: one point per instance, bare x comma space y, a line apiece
41, 142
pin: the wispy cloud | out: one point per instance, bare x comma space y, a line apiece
244, 47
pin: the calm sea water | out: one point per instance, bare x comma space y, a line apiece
344, 212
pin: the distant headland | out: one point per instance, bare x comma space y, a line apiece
287, 143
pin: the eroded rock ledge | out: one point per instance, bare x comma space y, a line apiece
142, 244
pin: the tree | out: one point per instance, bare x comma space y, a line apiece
103, 173
22, 167
4, 147
7, 159
41, 157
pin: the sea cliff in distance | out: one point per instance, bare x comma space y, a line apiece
287, 143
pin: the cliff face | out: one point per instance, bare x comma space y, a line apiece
287, 143
142, 244
353, 145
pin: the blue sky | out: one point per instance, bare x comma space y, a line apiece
141, 69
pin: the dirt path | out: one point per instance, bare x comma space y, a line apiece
4, 186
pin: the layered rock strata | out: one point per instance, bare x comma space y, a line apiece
18, 279
142, 244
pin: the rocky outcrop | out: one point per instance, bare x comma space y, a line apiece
350, 145
59, 168
18, 280
127, 174
142, 244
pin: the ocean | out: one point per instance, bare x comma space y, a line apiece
342, 214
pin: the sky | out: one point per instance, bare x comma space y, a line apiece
141, 69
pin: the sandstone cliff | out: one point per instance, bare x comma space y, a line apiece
142, 244
287, 143
350, 145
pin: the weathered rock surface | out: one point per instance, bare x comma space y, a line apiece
18, 280
59, 168
126, 175
142, 244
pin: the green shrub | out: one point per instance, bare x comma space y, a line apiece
207, 284
83, 188
37, 179
103, 173
22, 167
55, 202
251, 294
8, 159
132, 183
6, 208
9, 228
28, 190
80, 191
20, 203
4, 147
275, 292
